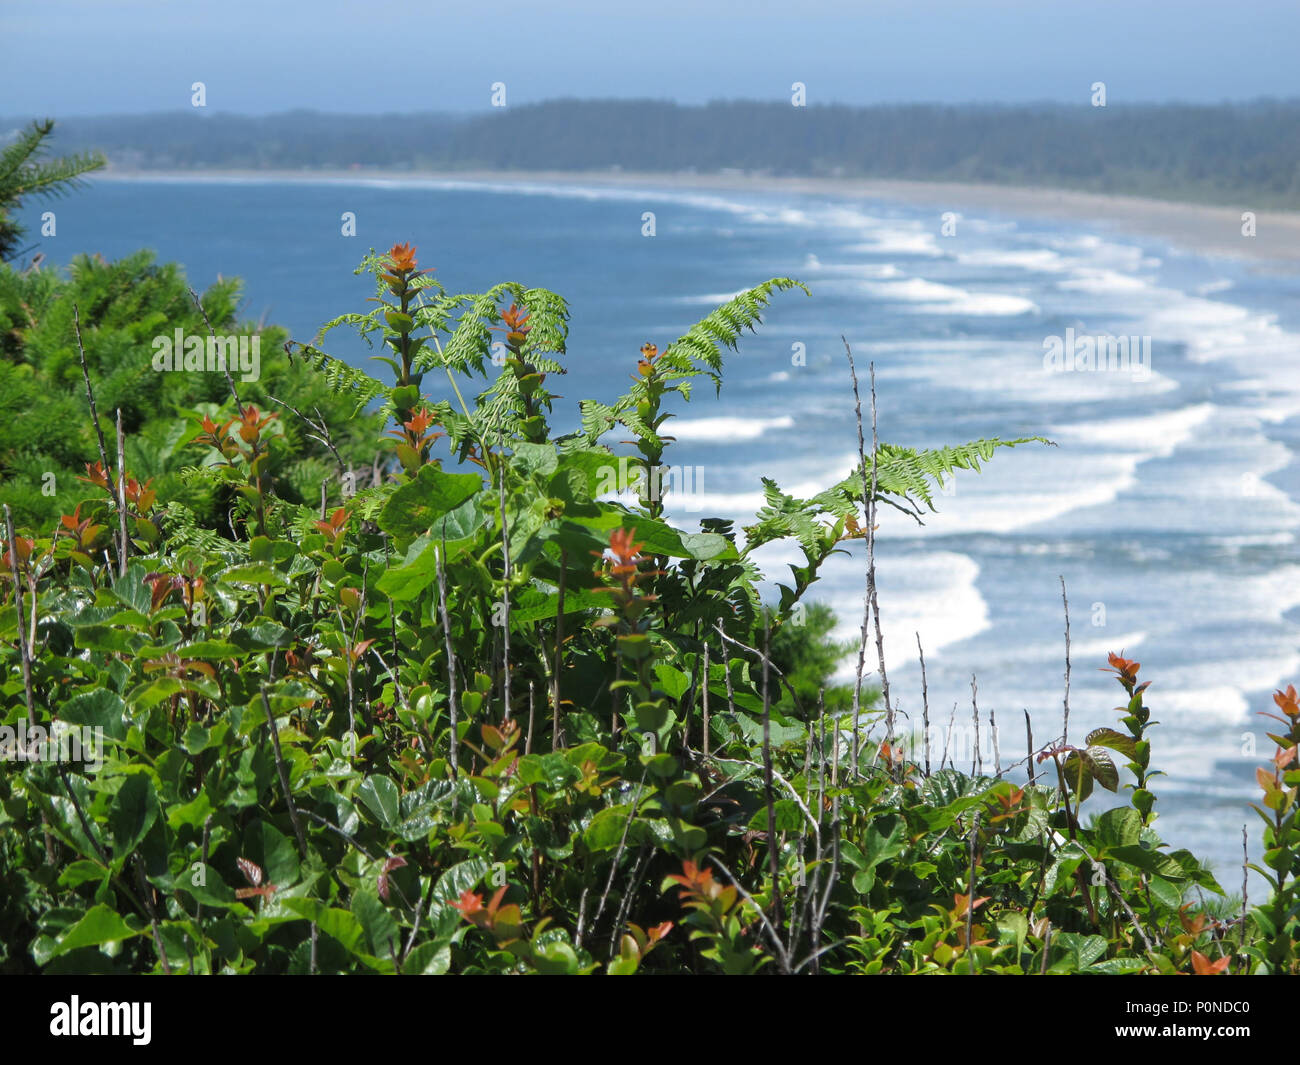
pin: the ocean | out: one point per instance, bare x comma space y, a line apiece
1170, 504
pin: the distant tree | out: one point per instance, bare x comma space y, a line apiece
808, 657
22, 174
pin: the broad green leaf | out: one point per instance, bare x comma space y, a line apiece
416, 505
134, 810
381, 797
383, 937
100, 925
1165, 893
1121, 827
788, 817
461, 877
254, 573
429, 959
606, 828
99, 708
1116, 741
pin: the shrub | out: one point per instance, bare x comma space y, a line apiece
482, 718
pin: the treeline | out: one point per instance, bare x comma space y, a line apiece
1213, 153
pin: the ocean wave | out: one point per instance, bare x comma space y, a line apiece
1093, 280
930, 297
899, 241
725, 429
933, 593
1152, 434
1043, 260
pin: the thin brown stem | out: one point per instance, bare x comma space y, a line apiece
25, 654
774, 864
451, 655
1029, 739
90, 398
125, 549
925, 706
1065, 731
559, 643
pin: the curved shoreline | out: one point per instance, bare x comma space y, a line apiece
1198, 228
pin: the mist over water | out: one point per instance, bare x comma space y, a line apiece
1170, 505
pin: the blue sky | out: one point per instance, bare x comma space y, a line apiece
77, 57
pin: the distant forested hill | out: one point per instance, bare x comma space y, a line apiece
1223, 153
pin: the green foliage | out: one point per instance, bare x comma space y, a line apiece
479, 719
46, 438
23, 173
807, 657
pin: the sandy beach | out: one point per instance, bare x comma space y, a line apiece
1209, 230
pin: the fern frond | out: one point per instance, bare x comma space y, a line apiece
368, 502
183, 530
345, 380
700, 349
597, 419
469, 347
909, 474
783, 515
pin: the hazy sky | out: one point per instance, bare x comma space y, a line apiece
77, 57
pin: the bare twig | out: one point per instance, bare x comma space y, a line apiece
25, 654
726, 673
451, 654
835, 753
970, 889
397, 684
90, 397
528, 738
239, 406
559, 642
505, 589
350, 839
947, 738
81, 818
767, 662
125, 550
207, 833
1245, 890
1123, 903
153, 915
284, 776
419, 912
582, 913
925, 706
1029, 739
977, 762
1065, 730
625, 904
821, 751
993, 730
782, 955
706, 699
777, 778
869, 492
319, 432
774, 865
618, 854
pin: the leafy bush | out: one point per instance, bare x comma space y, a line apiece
484, 718
47, 440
